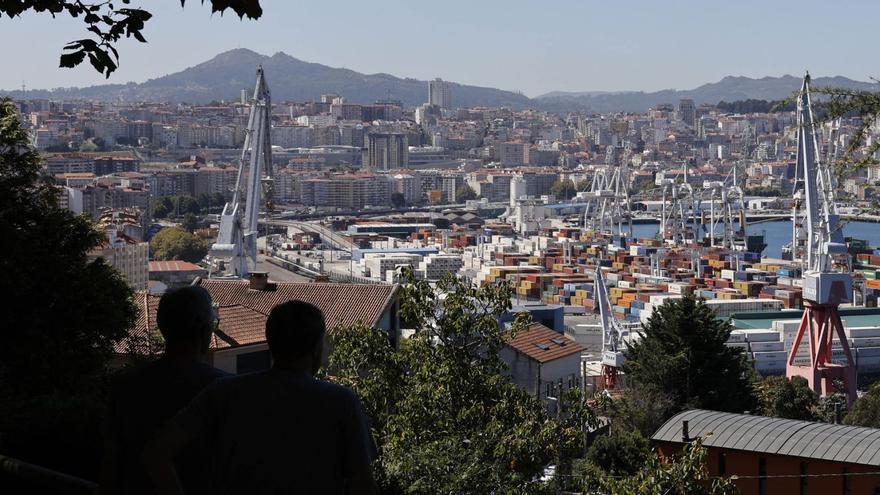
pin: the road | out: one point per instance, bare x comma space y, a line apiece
278, 274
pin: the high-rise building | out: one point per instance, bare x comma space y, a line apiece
387, 151
687, 111
439, 94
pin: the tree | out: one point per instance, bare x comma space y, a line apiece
684, 474
779, 397
622, 453
563, 189
444, 417
189, 223
177, 244
186, 204
162, 207
682, 353
108, 24
64, 314
398, 200
866, 410
465, 193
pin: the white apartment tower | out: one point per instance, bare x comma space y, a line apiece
439, 94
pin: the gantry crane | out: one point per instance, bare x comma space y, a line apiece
608, 209
824, 289
237, 240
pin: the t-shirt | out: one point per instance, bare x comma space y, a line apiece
280, 431
144, 399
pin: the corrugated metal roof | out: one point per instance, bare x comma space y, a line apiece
840, 443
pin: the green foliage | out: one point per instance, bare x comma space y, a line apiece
465, 193
189, 223
68, 311
622, 453
779, 397
162, 207
398, 200
63, 315
642, 408
682, 353
866, 410
563, 189
444, 417
763, 191
684, 474
837, 103
107, 25
177, 244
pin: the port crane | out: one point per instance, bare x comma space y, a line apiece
608, 208
237, 241
613, 333
824, 288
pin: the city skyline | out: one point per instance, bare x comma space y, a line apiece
641, 51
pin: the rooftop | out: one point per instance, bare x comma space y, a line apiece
543, 344
806, 439
174, 266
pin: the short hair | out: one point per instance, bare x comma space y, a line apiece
294, 329
184, 314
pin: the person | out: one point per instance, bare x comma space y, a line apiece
143, 399
275, 431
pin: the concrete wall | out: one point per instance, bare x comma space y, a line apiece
225, 359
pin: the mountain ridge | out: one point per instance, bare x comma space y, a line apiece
223, 76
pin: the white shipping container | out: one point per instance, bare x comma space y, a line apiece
623, 284
727, 274
736, 336
769, 366
859, 332
868, 351
738, 345
865, 342
766, 346
760, 335
770, 356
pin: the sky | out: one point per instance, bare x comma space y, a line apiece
529, 46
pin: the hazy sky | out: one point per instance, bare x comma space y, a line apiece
531, 46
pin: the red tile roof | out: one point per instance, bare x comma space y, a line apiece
243, 311
544, 344
173, 266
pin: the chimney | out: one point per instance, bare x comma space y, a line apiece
685, 432
259, 280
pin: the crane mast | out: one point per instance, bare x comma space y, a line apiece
237, 240
824, 289
612, 334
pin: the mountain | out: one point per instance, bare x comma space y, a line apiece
731, 88
224, 76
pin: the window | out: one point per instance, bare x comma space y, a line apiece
722, 464
252, 361
762, 476
804, 478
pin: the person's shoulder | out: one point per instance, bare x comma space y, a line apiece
334, 390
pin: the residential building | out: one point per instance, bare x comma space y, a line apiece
387, 151
439, 93
128, 256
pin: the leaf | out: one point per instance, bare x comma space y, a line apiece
139, 36
71, 60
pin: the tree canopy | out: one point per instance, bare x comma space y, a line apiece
68, 310
445, 418
107, 24
564, 189
779, 397
64, 313
682, 355
177, 244
866, 410
465, 193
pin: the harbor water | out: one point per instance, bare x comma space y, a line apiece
778, 233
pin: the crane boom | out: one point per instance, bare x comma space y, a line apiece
237, 240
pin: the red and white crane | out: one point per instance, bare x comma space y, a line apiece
824, 289
613, 334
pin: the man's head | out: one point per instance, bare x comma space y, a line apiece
186, 319
295, 333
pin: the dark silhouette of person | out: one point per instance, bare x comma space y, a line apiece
144, 398
276, 431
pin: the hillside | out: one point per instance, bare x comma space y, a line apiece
224, 76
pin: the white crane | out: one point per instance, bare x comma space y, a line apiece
824, 289
608, 209
613, 334
237, 240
